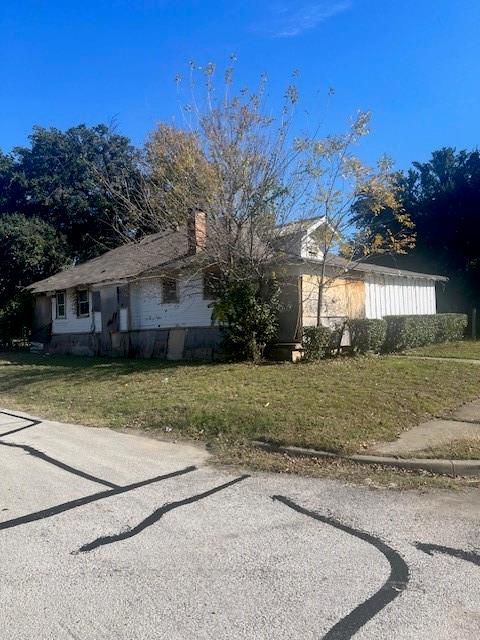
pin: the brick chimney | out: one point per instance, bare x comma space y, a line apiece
196, 231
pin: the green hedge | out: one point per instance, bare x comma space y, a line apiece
367, 335
316, 342
406, 332
451, 326
320, 342
392, 333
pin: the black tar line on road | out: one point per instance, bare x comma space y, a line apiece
397, 582
45, 457
33, 423
155, 517
57, 463
80, 502
430, 549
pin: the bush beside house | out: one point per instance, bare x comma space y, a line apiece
316, 342
392, 333
367, 335
407, 332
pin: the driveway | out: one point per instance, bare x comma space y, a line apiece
111, 536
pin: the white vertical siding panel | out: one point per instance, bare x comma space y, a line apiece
387, 296
395, 295
402, 303
433, 297
378, 297
379, 285
382, 295
421, 296
411, 291
400, 293
420, 291
417, 305
415, 294
403, 297
368, 304
391, 295
426, 304
407, 295
382, 298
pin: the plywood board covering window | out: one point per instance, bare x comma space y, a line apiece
61, 305
169, 290
83, 303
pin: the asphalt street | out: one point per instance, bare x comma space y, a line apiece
106, 535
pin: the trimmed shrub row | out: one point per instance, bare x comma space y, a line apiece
316, 342
392, 333
367, 335
406, 332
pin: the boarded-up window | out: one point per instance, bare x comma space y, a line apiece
169, 290
96, 301
83, 303
61, 305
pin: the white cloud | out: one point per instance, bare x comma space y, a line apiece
288, 22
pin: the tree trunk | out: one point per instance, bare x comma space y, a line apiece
321, 287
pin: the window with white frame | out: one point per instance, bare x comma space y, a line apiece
61, 302
83, 303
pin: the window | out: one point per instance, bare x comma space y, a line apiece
169, 290
61, 305
210, 281
83, 303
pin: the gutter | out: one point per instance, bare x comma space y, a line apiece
465, 468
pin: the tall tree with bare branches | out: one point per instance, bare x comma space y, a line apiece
244, 167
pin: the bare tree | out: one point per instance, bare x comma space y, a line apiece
335, 179
244, 168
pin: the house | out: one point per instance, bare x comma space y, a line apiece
153, 299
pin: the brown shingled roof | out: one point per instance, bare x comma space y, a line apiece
170, 249
119, 264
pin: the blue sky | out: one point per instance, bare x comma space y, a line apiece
414, 63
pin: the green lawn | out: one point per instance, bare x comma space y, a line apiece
467, 349
340, 405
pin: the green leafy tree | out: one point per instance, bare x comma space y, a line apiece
248, 313
30, 249
58, 177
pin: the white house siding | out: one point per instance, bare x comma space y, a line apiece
71, 324
391, 295
148, 312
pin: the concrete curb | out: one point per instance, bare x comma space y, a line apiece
443, 467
